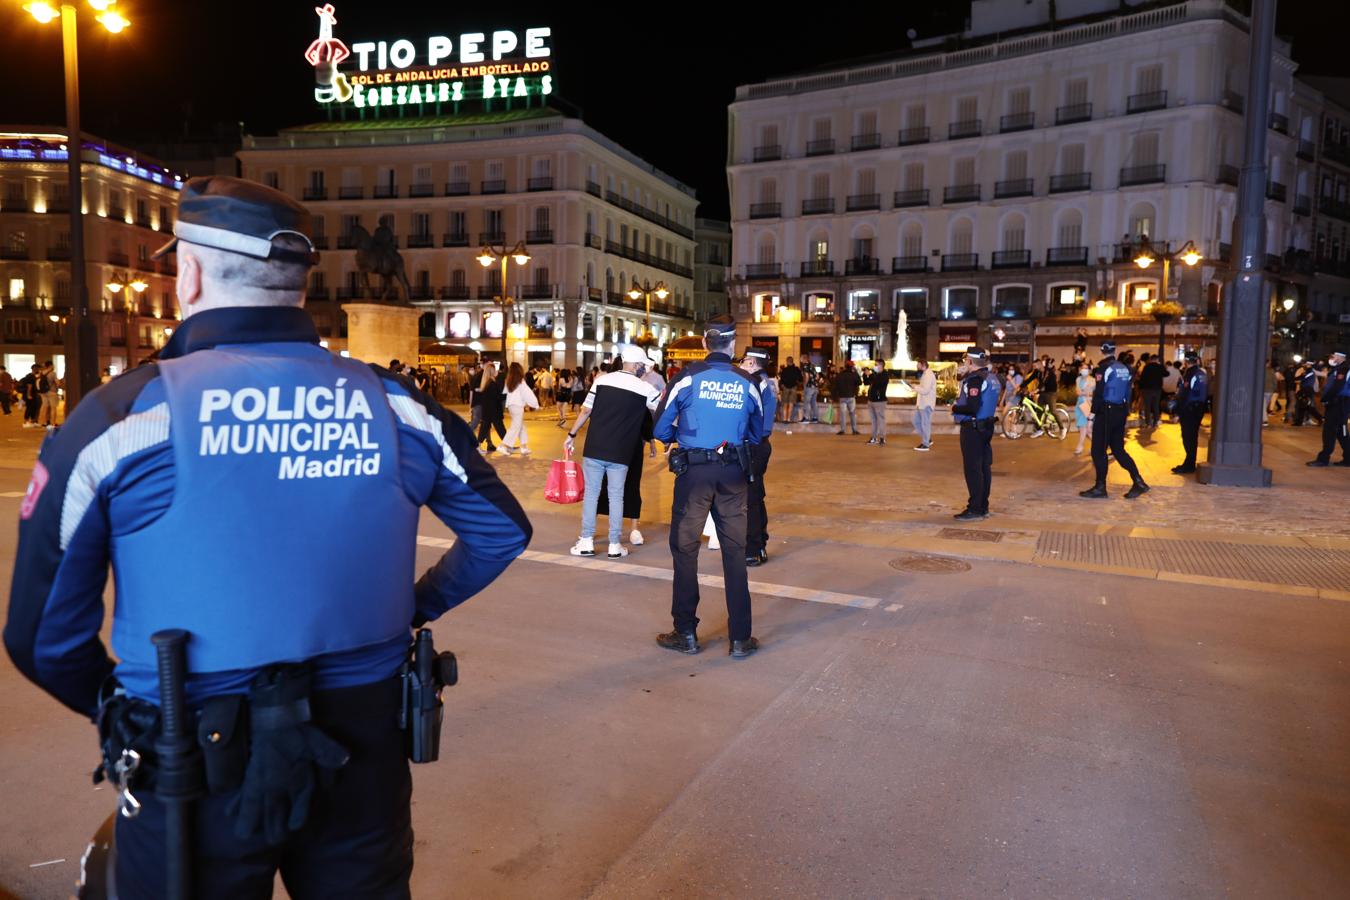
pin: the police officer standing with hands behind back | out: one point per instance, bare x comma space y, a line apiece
714, 412
974, 411
1110, 408
757, 514
1191, 400
205, 479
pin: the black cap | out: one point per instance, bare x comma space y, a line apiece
1108, 346
978, 354
240, 217
1192, 356
758, 353
724, 325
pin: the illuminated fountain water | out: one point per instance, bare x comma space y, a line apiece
901, 363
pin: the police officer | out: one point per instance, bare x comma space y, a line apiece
1191, 400
1335, 410
714, 412
1110, 408
205, 478
757, 516
975, 410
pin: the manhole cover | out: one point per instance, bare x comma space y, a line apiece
971, 534
924, 562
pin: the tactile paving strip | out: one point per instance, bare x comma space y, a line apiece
1247, 562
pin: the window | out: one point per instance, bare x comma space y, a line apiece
1141, 221
316, 181
767, 251
820, 307
1012, 301
866, 182
349, 224
1075, 92
911, 240
768, 191
458, 278
272, 180
1070, 231
768, 136
963, 238
967, 109
864, 306
913, 302
458, 226
820, 130
493, 221
913, 176
963, 171
1148, 80
916, 116
820, 251
15, 194
1015, 165
820, 186
862, 248
317, 228
1144, 149
959, 302
16, 291
421, 224
422, 175
1019, 101
1072, 159
1014, 236
542, 219
866, 124
1067, 299
18, 242
495, 170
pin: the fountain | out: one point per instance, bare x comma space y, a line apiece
901, 360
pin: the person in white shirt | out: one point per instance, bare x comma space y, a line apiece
518, 397
925, 399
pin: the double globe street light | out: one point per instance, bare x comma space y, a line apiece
647, 339
491, 254
1164, 310
130, 290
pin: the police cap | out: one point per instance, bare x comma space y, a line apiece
1336, 353
240, 217
724, 325
978, 354
1108, 347
1192, 356
757, 353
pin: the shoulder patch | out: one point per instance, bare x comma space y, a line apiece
35, 485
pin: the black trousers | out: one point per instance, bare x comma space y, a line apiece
721, 489
30, 408
492, 418
1334, 430
357, 842
1108, 432
757, 516
1191, 417
1150, 402
977, 458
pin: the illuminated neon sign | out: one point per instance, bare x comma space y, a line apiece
476, 66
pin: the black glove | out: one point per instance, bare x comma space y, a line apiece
288, 756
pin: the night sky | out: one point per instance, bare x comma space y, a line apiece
659, 88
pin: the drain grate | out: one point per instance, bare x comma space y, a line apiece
929, 564
971, 534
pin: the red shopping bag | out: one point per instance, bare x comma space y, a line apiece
565, 482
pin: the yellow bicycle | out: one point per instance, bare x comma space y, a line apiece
1029, 418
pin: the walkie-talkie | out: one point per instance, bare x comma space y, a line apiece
424, 676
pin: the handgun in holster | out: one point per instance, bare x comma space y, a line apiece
425, 675
678, 461
744, 458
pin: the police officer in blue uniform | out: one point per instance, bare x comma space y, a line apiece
1110, 409
975, 409
1191, 401
714, 412
1335, 410
263, 494
757, 514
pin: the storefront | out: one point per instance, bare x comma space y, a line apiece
955, 340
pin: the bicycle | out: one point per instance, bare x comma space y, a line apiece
1028, 414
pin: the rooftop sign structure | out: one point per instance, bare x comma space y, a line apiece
442, 72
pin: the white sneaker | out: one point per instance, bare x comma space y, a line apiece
583, 547
502, 451
1037, 433
635, 538
524, 451
617, 551
714, 543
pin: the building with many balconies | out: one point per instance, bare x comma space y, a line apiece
992, 187
596, 219
711, 259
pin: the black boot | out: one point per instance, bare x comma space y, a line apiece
1097, 490
1138, 489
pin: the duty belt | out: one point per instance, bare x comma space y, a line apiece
699, 457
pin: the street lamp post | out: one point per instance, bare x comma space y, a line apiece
81, 341
1164, 309
130, 291
489, 255
647, 340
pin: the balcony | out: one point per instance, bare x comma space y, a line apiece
1234, 101
1306, 150
593, 241
1066, 256
961, 193
316, 193
766, 210
763, 270
1023, 121
1147, 102
539, 236
493, 186
863, 265
117, 213
1073, 112
1228, 175
644, 213
420, 241
1073, 181
489, 291
1302, 205
859, 202
817, 205
901, 265
818, 268
455, 292
908, 136
456, 189
1010, 259
768, 153
1143, 174
593, 188
960, 262
25, 253
968, 128
865, 142
352, 192
1279, 122
426, 189
317, 293
910, 198
114, 257
492, 237
460, 239
822, 147
1017, 187
1276, 191
536, 292
386, 191
542, 183
421, 292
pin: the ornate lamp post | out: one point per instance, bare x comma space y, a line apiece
491, 254
130, 291
647, 340
1164, 310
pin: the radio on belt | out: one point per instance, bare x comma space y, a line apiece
424, 676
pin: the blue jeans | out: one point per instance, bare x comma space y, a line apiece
593, 470
923, 424
811, 412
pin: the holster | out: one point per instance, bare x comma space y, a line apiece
743, 457
678, 461
424, 676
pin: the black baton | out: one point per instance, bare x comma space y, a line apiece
179, 778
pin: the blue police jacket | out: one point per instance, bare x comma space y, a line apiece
1338, 383
263, 494
768, 398
1194, 387
1114, 381
709, 404
979, 390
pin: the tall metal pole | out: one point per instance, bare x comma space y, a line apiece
81, 338
504, 305
1235, 436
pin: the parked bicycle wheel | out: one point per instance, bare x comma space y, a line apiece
1054, 427
1014, 421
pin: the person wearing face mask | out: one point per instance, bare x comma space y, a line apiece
1082, 407
974, 411
1110, 406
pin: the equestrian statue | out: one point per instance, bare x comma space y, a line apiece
379, 254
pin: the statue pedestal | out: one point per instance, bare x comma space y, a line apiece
379, 332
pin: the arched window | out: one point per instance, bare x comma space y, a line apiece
1013, 234
911, 241
864, 242
609, 281
1142, 221
1069, 230
1012, 301
962, 238
768, 190
766, 250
